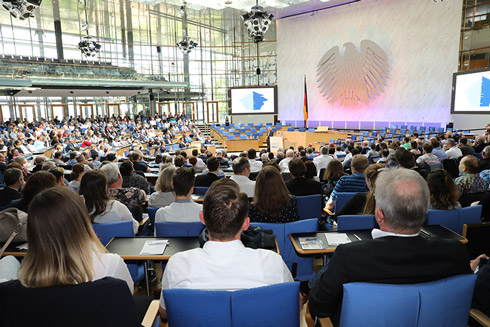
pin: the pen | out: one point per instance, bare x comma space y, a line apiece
357, 237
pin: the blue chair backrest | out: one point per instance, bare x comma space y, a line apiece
290, 129
342, 198
200, 189
310, 206
106, 231
443, 302
169, 229
302, 129
355, 222
151, 214
243, 137
271, 305
478, 155
300, 267
454, 219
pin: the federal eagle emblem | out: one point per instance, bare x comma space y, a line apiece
354, 77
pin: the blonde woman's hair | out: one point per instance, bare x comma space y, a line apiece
61, 241
371, 173
164, 181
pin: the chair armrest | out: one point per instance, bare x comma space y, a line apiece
480, 317
151, 314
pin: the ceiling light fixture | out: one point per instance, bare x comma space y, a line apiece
21, 9
87, 46
186, 45
257, 21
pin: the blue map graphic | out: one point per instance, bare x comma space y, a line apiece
485, 92
478, 94
253, 101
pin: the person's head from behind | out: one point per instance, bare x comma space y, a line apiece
334, 170
405, 158
225, 210
241, 166
37, 183
59, 174
213, 164
297, 167
444, 193
183, 181
13, 177
402, 200
179, 161
359, 163
271, 193
310, 169
251, 154
61, 240
164, 181
93, 188
111, 172
126, 168
469, 164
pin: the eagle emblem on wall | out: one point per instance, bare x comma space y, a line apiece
357, 76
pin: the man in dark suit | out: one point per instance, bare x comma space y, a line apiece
14, 179
397, 254
212, 175
485, 161
270, 133
300, 185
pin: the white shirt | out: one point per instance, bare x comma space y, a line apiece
377, 233
322, 162
284, 164
224, 266
181, 211
111, 265
454, 152
255, 166
116, 211
246, 185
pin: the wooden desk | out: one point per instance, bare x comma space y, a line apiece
11, 250
129, 248
434, 231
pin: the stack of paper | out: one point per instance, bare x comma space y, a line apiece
154, 247
334, 239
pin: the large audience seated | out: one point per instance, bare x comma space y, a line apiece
397, 181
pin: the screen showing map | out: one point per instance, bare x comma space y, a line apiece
250, 101
472, 92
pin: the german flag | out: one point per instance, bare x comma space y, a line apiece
305, 106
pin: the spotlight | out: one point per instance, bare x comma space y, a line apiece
88, 47
21, 9
186, 45
257, 22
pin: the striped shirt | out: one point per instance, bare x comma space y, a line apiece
428, 158
350, 183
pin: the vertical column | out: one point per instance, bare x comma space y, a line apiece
129, 25
123, 27
57, 29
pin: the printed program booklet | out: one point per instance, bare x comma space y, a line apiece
311, 243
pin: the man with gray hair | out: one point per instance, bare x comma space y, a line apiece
284, 164
397, 254
452, 151
241, 172
322, 160
485, 161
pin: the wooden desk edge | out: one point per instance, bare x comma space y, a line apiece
316, 251
464, 240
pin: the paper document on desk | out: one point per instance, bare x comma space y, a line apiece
22, 246
154, 247
334, 239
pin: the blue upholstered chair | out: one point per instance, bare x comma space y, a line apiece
151, 214
200, 189
355, 222
300, 267
310, 206
454, 219
107, 231
441, 303
170, 229
274, 305
342, 199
